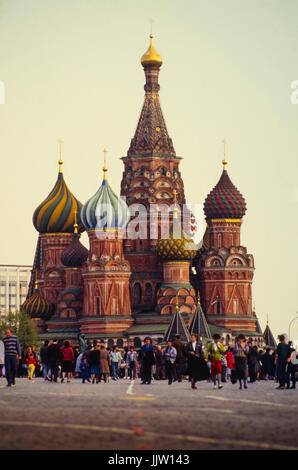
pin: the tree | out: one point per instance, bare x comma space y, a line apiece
23, 327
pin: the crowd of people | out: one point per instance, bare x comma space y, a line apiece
243, 362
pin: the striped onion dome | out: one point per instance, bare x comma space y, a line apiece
176, 247
36, 306
74, 255
105, 210
224, 201
56, 213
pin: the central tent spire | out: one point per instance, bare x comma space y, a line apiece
151, 137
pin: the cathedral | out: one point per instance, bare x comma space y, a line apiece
140, 276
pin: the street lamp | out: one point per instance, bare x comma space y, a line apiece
296, 318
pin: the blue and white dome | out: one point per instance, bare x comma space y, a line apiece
105, 210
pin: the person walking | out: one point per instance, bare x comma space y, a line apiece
78, 363
170, 354
214, 352
224, 367
12, 354
67, 358
84, 368
147, 361
281, 356
160, 363
115, 357
94, 363
104, 363
44, 360
54, 358
230, 362
122, 366
31, 362
267, 365
198, 369
291, 368
178, 366
252, 362
76, 353
240, 355
1, 357
131, 360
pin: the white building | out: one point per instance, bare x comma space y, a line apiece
14, 283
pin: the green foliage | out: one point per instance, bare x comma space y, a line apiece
23, 327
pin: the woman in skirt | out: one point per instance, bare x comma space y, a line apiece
214, 352
67, 358
240, 355
94, 363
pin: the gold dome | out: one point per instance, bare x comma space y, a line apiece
151, 56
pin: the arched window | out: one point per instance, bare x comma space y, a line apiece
148, 290
110, 343
231, 239
137, 293
219, 240
120, 343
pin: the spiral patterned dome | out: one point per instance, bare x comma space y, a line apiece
36, 306
176, 249
56, 213
224, 201
74, 254
105, 210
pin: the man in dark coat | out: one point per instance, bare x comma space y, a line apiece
54, 358
180, 348
44, 360
267, 365
147, 360
253, 362
282, 353
160, 363
198, 369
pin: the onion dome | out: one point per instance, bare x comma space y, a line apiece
75, 253
105, 210
36, 306
176, 246
224, 201
56, 213
151, 56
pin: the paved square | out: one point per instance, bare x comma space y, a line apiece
127, 415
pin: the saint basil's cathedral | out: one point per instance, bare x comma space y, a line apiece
124, 288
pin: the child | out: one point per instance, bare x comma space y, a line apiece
31, 362
84, 370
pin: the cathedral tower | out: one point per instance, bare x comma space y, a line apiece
105, 273
54, 219
225, 269
151, 174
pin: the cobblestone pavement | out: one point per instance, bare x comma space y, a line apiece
127, 415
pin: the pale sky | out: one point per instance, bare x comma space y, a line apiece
72, 70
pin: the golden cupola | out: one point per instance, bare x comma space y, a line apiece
151, 56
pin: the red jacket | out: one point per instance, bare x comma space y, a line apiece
230, 360
30, 360
67, 354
